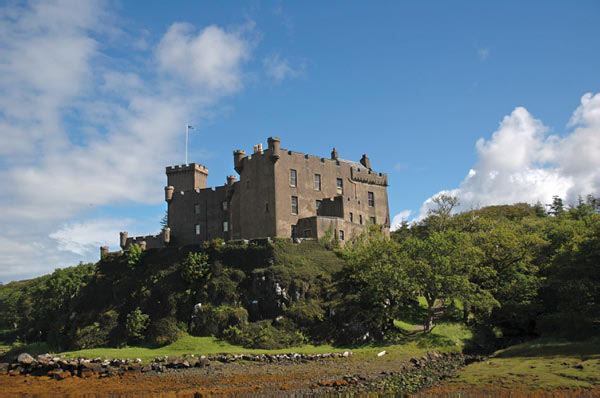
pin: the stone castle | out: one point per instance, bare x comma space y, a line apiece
280, 193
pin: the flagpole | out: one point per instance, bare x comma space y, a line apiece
187, 125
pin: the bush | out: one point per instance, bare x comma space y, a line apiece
136, 324
164, 331
97, 334
195, 267
264, 335
134, 255
306, 313
211, 320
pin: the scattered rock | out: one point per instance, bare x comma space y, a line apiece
25, 359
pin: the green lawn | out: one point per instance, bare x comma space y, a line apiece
537, 364
210, 345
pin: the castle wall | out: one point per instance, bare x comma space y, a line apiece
151, 241
253, 200
357, 182
202, 208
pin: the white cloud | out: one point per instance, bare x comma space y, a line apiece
279, 69
212, 58
85, 237
398, 218
521, 163
54, 70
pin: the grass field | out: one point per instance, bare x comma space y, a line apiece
541, 363
210, 345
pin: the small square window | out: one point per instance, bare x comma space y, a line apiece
224, 205
225, 226
341, 234
197, 229
197, 209
317, 182
340, 185
294, 205
372, 220
293, 178
371, 199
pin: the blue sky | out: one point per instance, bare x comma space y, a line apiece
495, 102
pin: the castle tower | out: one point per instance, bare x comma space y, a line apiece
187, 178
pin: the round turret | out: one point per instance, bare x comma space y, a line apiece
274, 146
169, 193
238, 155
123, 240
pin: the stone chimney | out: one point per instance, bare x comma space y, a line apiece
334, 154
365, 161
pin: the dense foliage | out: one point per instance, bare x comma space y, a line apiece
510, 272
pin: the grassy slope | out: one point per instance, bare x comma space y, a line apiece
537, 364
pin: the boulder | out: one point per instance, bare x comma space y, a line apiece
25, 359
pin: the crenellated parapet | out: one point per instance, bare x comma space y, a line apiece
368, 176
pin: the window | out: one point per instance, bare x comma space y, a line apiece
318, 204
351, 217
360, 218
341, 234
340, 185
293, 178
294, 205
197, 229
224, 205
197, 209
317, 182
371, 199
225, 226
372, 220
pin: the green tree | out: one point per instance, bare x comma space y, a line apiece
441, 270
375, 282
136, 324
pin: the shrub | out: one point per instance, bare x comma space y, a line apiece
164, 331
264, 335
195, 267
212, 320
136, 324
134, 255
97, 334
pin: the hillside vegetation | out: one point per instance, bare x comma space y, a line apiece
507, 273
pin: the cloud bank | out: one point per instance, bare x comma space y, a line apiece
82, 128
522, 163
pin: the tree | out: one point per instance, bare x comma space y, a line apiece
441, 270
556, 208
509, 269
136, 324
374, 283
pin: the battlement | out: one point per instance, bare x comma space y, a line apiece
368, 176
187, 177
189, 167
